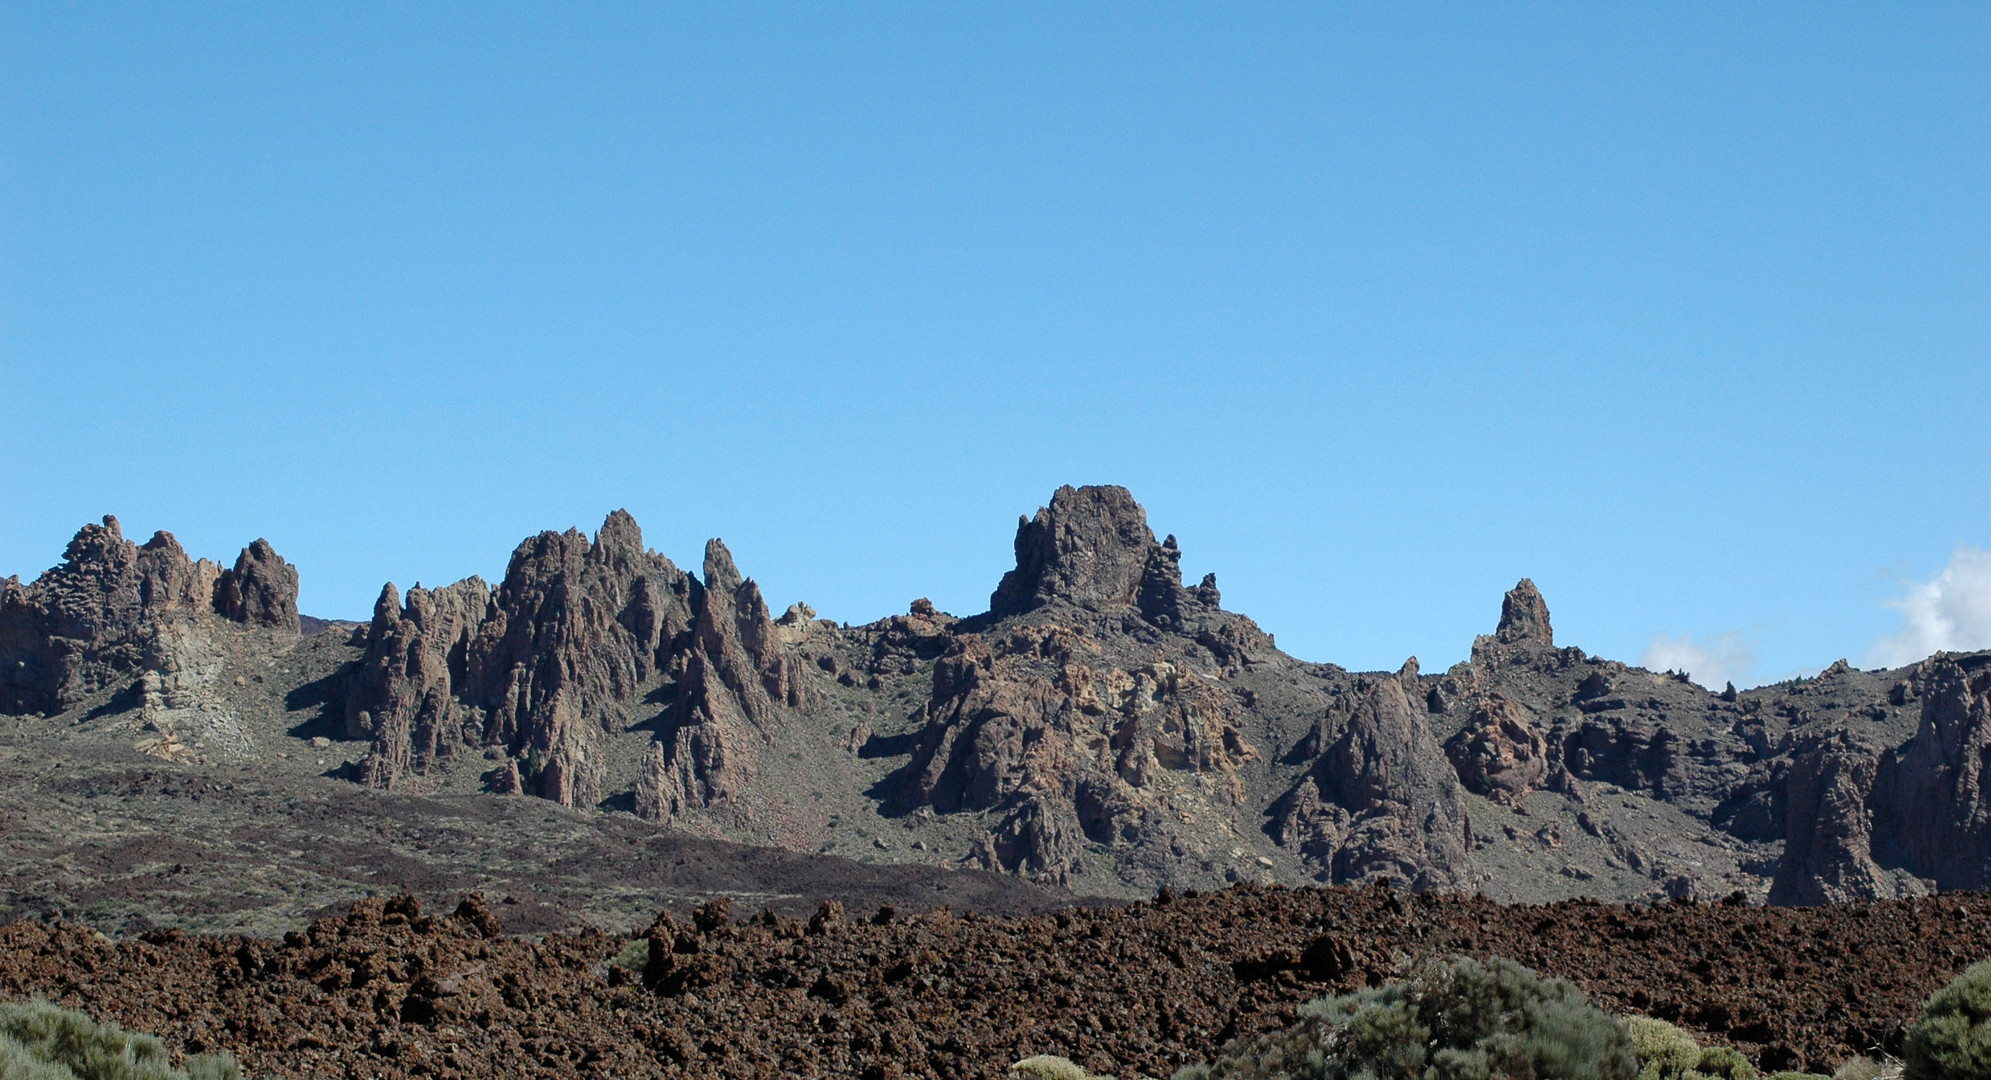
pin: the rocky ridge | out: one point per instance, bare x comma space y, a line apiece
1101, 727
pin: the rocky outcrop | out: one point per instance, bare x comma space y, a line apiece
1084, 713
735, 673
1828, 839
261, 590
1524, 617
89, 623
1069, 750
1102, 725
404, 695
1379, 800
1499, 753
539, 669
1091, 548
1933, 807
558, 656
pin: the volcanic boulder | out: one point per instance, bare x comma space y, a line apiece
1499, 753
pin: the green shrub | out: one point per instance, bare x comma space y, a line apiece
1665, 1052
633, 955
1050, 1067
1725, 1062
1953, 1039
39, 1041
1790, 1075
1465, 1020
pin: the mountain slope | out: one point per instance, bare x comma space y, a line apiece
1102, 727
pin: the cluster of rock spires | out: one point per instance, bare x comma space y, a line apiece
106, 613
546, 666
1100, 725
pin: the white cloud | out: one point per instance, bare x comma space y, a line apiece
1712, 661
1949, 612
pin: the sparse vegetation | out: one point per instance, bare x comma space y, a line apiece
1665, 1052
39, 1041
1050, 1067
633, 956
1953, 1039
1866, 1068
1463, 1020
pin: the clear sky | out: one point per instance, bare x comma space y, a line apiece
1683, 311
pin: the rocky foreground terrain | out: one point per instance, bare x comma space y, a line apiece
389, 990
181, 748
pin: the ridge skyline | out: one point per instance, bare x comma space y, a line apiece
1571, 616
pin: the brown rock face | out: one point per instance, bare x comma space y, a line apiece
88, 623
403, 696
1090, 547
260, 591
735, 673
1379, 799
544, 667
1499, 753
538, 669
1524, 617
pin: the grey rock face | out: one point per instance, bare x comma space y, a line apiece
1932, 812
1828, 845
1381, 800
1101, 726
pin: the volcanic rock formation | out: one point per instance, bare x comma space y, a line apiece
91, 622
1101, 726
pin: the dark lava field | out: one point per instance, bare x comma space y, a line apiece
387, 990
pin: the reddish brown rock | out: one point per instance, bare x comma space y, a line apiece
260, 591
1499, 753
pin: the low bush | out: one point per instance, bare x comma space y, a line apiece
1050, 1067
1664, 1051
1952, 1041
633, 956
1466, 1020
1860, 1067
39, 1041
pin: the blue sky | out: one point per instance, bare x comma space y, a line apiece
1684, 311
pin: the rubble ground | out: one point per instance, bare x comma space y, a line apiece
386, 990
